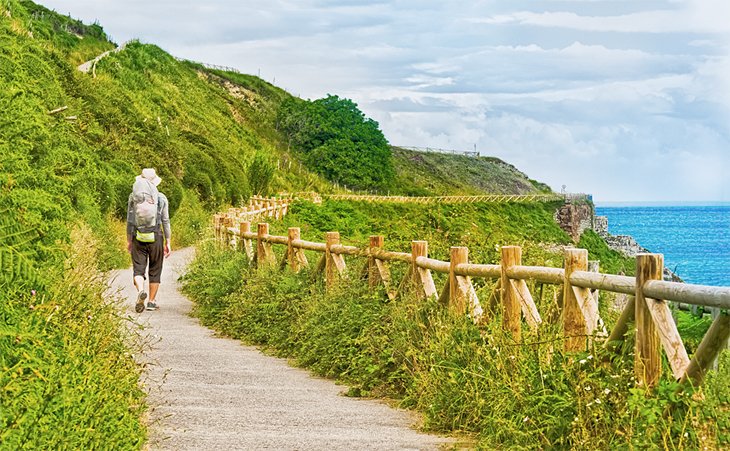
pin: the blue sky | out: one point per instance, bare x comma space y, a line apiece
626, 99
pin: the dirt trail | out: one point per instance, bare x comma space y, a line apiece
208, 392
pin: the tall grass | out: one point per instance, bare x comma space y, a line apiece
67, 376
464, 378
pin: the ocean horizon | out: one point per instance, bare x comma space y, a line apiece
654, 203
693, 236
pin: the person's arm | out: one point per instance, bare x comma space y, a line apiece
165, 220
130, 222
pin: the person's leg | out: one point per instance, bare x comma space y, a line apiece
139, 283
156, 256
153, 291
139, 266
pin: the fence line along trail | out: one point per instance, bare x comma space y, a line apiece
656, 330
208, 392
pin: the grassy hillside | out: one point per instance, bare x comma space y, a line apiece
428, 174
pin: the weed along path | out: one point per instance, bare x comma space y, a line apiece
207, 392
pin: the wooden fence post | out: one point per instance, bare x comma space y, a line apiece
647, 359
457, 297
296, 256
421, 278
227, 235
511, 256
264, 254
243, 243
330, 269
376, 242
574, 323
377, 270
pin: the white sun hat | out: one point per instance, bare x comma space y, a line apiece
150, 175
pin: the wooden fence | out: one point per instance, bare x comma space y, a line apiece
258, 209
495, 198
647, 305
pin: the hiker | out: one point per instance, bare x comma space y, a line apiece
148, 235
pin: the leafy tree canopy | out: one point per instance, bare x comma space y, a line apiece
338, 141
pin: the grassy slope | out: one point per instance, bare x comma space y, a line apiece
68, 174
422, 173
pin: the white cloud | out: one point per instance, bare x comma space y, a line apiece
698, 16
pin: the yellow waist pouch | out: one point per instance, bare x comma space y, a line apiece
145, 237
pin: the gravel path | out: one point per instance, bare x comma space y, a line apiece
213, 393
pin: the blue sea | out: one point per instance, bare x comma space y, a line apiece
695, 239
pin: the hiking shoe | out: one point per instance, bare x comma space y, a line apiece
139, 306
151, 306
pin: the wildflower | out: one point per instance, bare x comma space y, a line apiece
606, 391
582, 362
590, 356
526, 419
598, 400
587, 388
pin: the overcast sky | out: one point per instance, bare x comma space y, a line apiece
626, 99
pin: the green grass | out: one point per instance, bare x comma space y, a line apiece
67, 377
435, 174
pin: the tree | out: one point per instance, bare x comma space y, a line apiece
337, 140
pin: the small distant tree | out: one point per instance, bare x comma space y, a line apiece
260, 173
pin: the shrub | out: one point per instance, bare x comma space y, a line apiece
67, 377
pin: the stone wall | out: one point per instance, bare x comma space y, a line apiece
574, 219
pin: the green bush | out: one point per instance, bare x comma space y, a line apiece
189, 221
337, 141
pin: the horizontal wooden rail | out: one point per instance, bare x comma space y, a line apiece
346, 250
704, 295
309, 245
539, 273
473, 270
389, 255
607, 282
276, 239
499, 198
433, 265
246, 235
